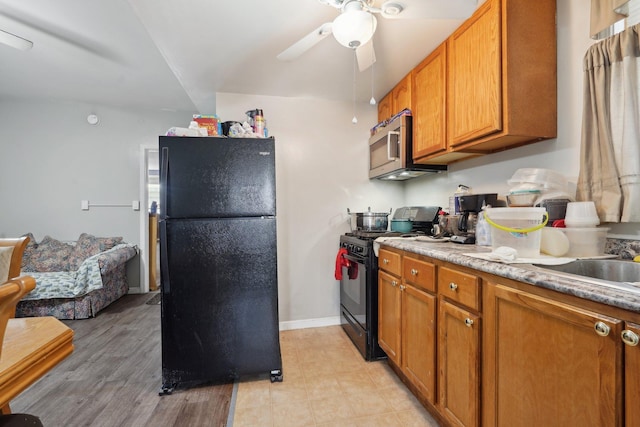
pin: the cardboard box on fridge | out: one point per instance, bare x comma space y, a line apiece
211, 123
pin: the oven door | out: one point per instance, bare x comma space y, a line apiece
353, 289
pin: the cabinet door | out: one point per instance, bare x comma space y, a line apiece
402, 95
459, 364
419, 340
385, 107
389, 315
632, 374
429, 104
549, 363
475, 86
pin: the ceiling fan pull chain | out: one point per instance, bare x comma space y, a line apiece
372, 101
355, 119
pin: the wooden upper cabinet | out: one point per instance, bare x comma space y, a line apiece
475, 107
385, 107
402, 95
397, 100
502, 76
429, 104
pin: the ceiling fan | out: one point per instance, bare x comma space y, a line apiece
357, 23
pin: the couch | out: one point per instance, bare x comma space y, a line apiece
74, 280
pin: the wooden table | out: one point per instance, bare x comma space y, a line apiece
32, 347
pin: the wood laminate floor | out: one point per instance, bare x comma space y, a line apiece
114, 375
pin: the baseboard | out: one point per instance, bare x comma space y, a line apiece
309, 323
135, 290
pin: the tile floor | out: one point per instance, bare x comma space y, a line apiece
327, 383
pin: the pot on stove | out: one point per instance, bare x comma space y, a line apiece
369, 221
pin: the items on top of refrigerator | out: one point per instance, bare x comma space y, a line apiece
211, 123
254, 126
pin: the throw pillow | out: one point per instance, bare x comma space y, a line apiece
51, 255
88, 245
29, 252
5, 263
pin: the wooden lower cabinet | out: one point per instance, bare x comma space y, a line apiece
459, 364
631, 338
547, 363
418, 340
389, 322
481, 350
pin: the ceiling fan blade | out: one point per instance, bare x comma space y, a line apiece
366, 55
306, 43
429, 9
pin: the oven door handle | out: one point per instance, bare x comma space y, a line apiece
354, 259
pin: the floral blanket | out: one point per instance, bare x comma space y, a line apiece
71, 284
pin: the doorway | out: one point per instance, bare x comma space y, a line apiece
149, 193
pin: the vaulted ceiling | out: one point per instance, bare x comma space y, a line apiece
176, 54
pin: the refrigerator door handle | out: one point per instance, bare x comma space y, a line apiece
164, 172
164, 259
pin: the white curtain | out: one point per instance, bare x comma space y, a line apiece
610, 150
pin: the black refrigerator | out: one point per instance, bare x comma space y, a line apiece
218, 260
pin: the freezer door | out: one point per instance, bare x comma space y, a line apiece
219, 300
217, 177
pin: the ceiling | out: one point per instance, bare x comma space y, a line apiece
177, 54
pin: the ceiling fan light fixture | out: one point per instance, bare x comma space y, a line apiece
390, 9
354, 27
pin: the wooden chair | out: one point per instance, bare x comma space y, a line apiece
11, 292
19, 244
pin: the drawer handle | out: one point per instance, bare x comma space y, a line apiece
630, 338
385, 261
402, 287
453, 286
414, 272
394, 283
602, 329
468, 322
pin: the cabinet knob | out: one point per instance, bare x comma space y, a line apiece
414, 272
602, 329
385, 261
402, 287
468, 322
453, 286
630, 338
394, 283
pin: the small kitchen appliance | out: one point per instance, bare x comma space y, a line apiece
470, 205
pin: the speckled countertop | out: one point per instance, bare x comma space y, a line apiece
617, 295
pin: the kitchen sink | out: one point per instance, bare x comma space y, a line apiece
610, 270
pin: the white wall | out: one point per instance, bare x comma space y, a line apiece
51, 159
490, 173
322, 169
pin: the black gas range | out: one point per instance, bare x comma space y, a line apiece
359, 279
359, 292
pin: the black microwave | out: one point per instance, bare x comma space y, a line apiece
390, 152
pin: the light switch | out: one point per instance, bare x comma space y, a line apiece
84, 205
135, 205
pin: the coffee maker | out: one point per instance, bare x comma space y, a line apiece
470, 205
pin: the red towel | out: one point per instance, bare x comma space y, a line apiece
340, 262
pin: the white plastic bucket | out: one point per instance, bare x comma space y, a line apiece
518, 228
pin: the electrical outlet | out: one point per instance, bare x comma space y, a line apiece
84, 205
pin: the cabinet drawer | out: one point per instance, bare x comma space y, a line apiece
419, 273
461, 287
389, 261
